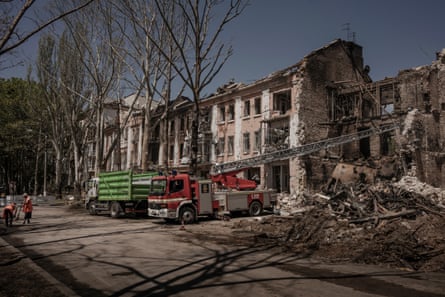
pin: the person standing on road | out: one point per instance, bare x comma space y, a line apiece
8, 213
27, 208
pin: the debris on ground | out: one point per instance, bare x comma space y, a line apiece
401, 224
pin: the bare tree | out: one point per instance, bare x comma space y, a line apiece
74, 101
99, 40
47, 72
204, 54
151, 74
10, 27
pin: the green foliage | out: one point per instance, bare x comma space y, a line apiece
19, 130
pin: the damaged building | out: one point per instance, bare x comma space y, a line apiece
326, 95
329, 94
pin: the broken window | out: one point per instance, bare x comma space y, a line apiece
257, 145
171, 153
181, 150
230, 145
282, 102
280, 178
344, 107
221, 144
182, 124
387, 144
246, 142
172, 128
387, 95
367, 108
258, 105
205, 154
277, 134
156, 133
387, 109
154, 152
222, 114
204, 124
247, 108
365, 146
231, 113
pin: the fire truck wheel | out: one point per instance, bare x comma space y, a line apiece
115, 210
187, 215
92, 208
255, 209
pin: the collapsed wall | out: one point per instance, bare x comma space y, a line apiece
338, 61
422, 92
417, 102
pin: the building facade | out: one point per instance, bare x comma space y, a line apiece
325, 95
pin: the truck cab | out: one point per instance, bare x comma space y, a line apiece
91, 188
179, 197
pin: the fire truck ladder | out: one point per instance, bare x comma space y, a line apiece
300, 150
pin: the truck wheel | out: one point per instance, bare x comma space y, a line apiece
92, 208
255, 209
115, 210
187, 215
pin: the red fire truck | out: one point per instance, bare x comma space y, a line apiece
180, 197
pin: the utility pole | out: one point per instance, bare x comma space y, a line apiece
44, 170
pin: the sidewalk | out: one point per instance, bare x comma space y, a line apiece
20, 276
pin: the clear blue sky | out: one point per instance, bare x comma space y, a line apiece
394, 34
273, 34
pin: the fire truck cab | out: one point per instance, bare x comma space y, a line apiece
180, 197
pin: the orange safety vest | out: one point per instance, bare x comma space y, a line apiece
27, 205
10, 207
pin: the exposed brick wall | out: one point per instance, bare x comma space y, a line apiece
341, 61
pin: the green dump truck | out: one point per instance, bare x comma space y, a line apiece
119, 193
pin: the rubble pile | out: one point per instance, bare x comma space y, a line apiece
400, 224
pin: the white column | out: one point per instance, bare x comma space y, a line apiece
129, 146
161, 143
238, 137
140, 145
214, 129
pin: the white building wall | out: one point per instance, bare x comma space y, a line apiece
162, 145
176, 144
238, 138
297, 172
266, 104
265, 178
129, 147
214, 129
139, 152
112, 165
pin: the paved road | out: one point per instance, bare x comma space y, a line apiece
100, 256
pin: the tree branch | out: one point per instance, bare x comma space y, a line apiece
4, 49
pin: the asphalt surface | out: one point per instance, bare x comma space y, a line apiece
21, 276
75, 254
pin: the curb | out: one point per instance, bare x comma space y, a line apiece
66, 291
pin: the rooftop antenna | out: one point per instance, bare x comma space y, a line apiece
349, 35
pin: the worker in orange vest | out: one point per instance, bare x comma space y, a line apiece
27, 208
8, 213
